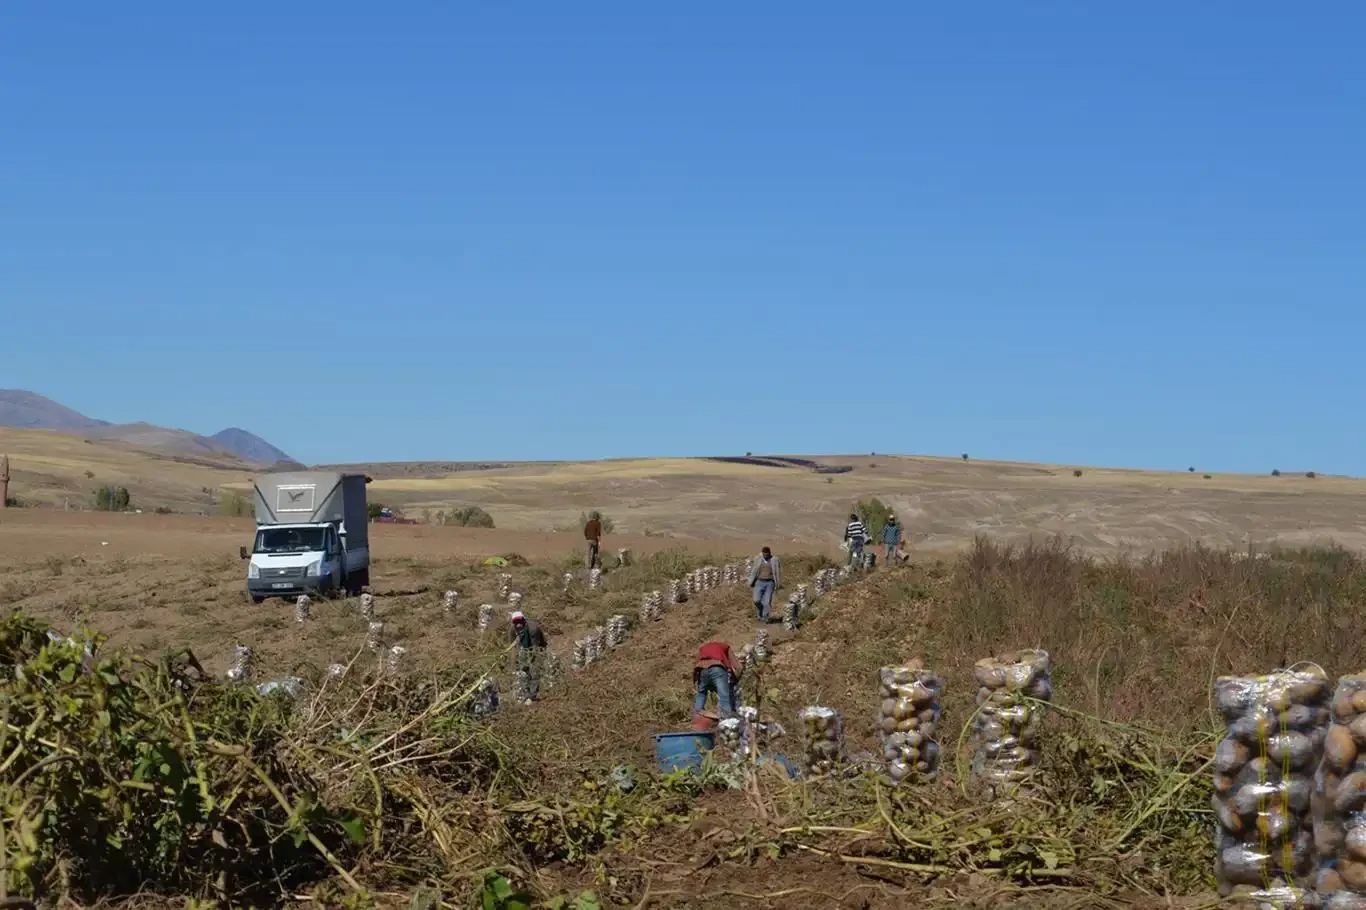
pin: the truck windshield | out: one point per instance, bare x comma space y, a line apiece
289, 540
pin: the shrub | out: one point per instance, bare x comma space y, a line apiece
1275, 472
235, 505
1208, 476
163, 510
112, 499
1191, 470
1077, 473
608, 525
373, 510
873, 513
14, 502
1310, 474
965, 456
465, 517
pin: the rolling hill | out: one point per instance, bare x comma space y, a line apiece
22, 409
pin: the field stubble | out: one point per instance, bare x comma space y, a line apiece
1121, 817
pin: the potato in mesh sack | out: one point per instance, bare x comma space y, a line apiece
1338, 802
822, 738
1005, 730
908, 714
1263, 785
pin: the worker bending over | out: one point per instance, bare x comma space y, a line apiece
526, 634
714, 671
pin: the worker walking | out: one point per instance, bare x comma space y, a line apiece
856, 534
714, 671
526, 634
764, 577
592, 532
891, 538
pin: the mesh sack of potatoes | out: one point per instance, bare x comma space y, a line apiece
822, 738
1338, 802
1009, 717
908, 713
730, 736
1263, 784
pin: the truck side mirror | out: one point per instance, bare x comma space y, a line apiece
242, 552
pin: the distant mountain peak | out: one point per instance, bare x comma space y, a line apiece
248, 446
31, 411
27, 410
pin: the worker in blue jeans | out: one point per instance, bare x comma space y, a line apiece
714, 671
891, 536
764, 577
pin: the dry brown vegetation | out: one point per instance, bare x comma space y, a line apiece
1124, 816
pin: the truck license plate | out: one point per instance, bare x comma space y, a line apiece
280, 584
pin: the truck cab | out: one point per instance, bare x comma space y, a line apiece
311, 536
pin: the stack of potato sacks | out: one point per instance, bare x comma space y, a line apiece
616, 630
649, 610
823, 738
1006, 728
907, 719
242, 661
1338, 804
1263, 770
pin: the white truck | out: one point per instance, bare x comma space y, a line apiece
311, 535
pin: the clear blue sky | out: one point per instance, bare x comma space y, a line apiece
1129, 234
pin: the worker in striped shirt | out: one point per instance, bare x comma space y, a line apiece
856, 535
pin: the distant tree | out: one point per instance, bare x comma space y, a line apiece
234, 505
873, 513
1310, 474
373, 510
1275, 472
112, 499
608, 525
965, 456
1192, 470
1077, 472
466, 517
163, 510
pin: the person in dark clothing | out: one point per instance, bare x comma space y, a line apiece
592, 532
714, 671
526, 634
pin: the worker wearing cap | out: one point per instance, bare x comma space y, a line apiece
714, 671
891, 537
526, 634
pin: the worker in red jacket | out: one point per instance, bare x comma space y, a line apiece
714, 671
